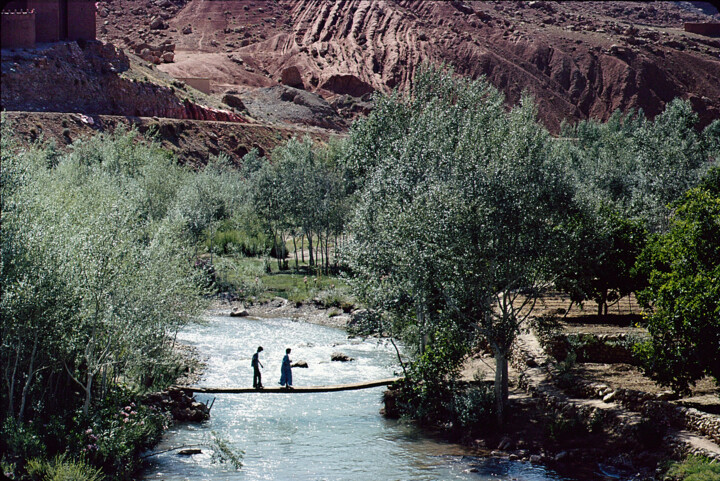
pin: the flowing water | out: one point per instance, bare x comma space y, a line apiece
310, 436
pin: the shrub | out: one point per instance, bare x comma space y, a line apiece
333, 298
695, 468
119, 433
19, 442
559, 427
63, 468
474, 406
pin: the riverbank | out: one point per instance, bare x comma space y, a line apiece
603, 432
279, 307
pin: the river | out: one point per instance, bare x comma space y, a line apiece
313, 436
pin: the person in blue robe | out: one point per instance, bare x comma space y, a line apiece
286, 370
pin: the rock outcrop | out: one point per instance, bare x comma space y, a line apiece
92, 79
182, 407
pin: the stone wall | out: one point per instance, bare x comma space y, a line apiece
80, 20
657, 409
18, 29
708, 29
47, 20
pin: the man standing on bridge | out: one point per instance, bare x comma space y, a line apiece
255, 363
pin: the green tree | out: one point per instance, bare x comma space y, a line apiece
302, 191
684, 292
95, 274
599, 265
458, 214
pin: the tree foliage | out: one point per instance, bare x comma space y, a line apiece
625, 173
96, 273
684, 292
302, 192
457, 215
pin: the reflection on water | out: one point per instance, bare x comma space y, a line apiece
311, 436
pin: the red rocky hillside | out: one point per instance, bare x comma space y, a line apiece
578, 59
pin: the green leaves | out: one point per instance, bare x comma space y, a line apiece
457, 214
95, 272
684, 294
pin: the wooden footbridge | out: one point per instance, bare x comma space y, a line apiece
293, 390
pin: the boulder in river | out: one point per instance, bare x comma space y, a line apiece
339, 356
302, 364
239, 312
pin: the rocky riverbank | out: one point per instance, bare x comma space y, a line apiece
279, 307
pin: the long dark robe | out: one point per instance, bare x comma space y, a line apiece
286, 371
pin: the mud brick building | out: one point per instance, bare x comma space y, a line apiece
707, 29
26, 22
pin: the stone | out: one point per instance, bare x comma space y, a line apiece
505, 444
239, 312
609, 397
535, 458
340, 357
187, 30
291, 77
233, 101
300, 364
168, 57
157, 23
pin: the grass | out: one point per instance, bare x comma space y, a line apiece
250, 275
694, 468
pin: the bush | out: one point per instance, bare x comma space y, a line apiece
244, 241
62, 468
559, 428
334, 298
695, 468
118, 432
19, 442
474, 406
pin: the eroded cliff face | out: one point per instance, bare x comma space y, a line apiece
94, 78
578, 59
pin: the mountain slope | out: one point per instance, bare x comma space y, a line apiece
578, 59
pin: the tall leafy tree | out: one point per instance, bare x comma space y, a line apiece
602, 249
458, 214
684, 292
626, 172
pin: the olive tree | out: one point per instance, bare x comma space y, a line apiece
459, 212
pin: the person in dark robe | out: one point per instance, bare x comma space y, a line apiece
286, 370
256, 365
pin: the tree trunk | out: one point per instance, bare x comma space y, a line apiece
311, 259
11, 385
602, 303
88, 393
327, 252
421, 323
28, 381
501, 383
302, 248
296, 257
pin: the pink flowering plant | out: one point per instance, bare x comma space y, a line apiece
114, 436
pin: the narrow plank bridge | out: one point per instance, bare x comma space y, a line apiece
294, 390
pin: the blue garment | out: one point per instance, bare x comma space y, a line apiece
286, 372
